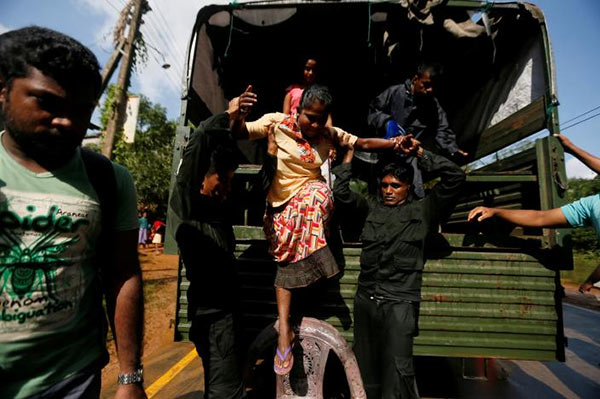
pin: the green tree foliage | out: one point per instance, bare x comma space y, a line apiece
584, 239
148, 159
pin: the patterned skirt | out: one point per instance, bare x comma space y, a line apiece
296, 233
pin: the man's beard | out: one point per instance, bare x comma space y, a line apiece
44, 147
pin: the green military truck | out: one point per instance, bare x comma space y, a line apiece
489, 291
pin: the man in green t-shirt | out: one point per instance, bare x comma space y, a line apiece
57, 234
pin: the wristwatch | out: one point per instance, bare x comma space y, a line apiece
131, 378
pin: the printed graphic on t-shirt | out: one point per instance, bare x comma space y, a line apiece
44, 248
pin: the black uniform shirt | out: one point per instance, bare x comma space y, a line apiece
426, 120
393, 237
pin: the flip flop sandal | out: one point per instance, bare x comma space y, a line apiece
283, 370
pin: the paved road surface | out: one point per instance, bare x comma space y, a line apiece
578, 377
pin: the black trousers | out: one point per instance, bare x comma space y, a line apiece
383, 344
214, 336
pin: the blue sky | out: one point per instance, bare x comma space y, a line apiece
574, 28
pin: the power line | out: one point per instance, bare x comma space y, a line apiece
165, 46
150, 33
168, 44
113, 6
176, 69
168, 28
579, 116
581, 121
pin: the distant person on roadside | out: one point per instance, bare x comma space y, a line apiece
143, 230
158, 231
206, 244
583, 212
411, 107
395, 226
68, 229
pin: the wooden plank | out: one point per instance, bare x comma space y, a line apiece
476, 295
499, 353
471, 324
519, 125
504, 178
487, 340
522, 161
490, 282
501, 311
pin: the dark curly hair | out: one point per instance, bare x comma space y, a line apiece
222, 160
400, 171
316, 93
56, 55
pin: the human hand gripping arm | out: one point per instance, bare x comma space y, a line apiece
238, 110
550, 218
588, 159
125, 305
589, 282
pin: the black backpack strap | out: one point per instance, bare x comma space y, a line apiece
102, 178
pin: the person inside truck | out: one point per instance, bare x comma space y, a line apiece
293, 95
412, 107
583, 212
395, 226
299, 203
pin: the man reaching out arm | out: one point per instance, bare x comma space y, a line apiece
583, 212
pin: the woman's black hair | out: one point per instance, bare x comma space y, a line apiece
316, 93
59, 56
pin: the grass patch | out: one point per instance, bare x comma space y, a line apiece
584, 263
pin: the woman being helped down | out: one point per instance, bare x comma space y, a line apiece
299, 201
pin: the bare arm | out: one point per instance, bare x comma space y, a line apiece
125, 305
372, 144
588, 159
287, 104
526, 218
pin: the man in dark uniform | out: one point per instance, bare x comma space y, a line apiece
411, 107
204, 234
386, 306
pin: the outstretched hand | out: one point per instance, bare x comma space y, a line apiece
481, 213
564, 141
241, 106
586, 286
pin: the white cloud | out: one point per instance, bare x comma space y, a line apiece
167, 30
3, 28
576, 169
105, 12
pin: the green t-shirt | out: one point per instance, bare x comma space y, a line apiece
51, 323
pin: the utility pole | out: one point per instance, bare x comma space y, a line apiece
120, 102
